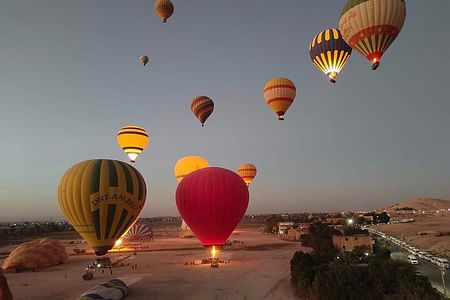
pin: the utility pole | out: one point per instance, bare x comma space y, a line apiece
443, 281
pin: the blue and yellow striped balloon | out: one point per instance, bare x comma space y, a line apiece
101, 199
329, 52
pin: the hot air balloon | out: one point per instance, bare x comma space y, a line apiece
279, 94
38, 253
133, 140
370, 26
143, 59
164, 9
188, 164
247, 171
212, 201
138, 233
202, 107
101, 198
329, 52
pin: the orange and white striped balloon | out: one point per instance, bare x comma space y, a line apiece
247, 171
279, 94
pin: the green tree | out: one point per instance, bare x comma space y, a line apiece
383, 217
271, 224
360, 254
320, 238
381, 249
302, 270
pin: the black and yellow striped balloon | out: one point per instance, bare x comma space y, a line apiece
101, 199
329, 52
133, 140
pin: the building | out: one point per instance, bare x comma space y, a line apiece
347, 243
283, 227
295, 234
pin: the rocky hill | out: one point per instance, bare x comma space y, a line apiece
420, 204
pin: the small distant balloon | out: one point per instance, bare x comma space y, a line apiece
164, 9
247, 171
202, 107
279, 94
143, 59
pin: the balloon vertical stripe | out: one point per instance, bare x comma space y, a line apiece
113, 180
123, 216
109, 219
95, 179
96, 221
129, 180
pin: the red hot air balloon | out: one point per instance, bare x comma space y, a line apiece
212, 201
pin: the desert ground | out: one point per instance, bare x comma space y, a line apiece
259, 271
431, 233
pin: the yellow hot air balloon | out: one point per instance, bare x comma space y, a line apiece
164, 9
188, 164
101, 199
133, 140
279, 94
370, 26
248, 172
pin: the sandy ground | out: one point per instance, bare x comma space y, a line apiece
261, 271
423, 233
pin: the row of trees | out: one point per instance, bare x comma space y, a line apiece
328, 274
32, 229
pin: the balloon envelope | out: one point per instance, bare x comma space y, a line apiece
212, 201
143, 59
133, 140
38, 253
279, 94
188, 164
202, 107
329, 52
370, 26
164, 9
247, 171
138, 233
101, 198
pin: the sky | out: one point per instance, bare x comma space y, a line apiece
70, 79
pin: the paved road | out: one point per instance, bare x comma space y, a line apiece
424, 267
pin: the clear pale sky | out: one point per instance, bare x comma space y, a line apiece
70, 78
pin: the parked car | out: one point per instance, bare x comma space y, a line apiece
413, 260
442, 262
